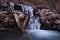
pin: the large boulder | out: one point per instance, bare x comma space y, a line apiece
50, 19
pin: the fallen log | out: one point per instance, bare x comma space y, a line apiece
20, 24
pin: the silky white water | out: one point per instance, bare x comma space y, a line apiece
33, 23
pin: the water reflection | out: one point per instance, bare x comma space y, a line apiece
44, 34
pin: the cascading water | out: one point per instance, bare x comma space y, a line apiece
33, 23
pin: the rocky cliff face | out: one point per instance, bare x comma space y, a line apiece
51, 3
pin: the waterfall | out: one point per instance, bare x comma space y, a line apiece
37, 23
33, 23
11, 4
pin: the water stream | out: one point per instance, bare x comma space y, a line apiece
33, 23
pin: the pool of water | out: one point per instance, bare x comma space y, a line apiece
31, 35
44, 35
